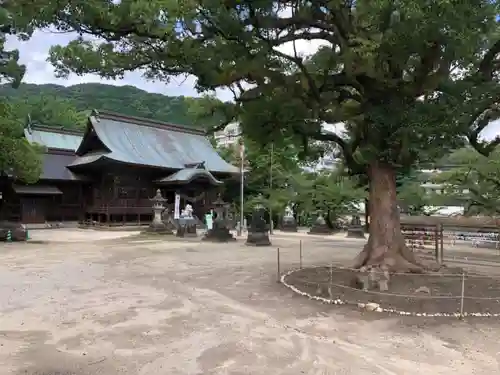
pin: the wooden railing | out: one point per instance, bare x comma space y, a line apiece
122, 206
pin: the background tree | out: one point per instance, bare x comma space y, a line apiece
330, 192
17, 157
414, 198
474, 181
388, 70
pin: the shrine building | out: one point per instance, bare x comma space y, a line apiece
108, 173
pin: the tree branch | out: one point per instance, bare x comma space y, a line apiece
487, 66
482, 119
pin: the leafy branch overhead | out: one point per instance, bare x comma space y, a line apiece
409, 79
10, 70
18, 158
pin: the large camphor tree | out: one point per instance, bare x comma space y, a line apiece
410, 79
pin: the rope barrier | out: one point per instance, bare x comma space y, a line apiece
357, 270
417, 296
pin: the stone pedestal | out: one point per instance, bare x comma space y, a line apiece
186, 227
157, 225
258, 233
191, 230
288, 224
320, 227
355, 229
355, 232
218, 233
258, 239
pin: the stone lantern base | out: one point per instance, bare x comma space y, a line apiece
188, 230
320, 227
288, 224
258, 239
218, 233
355, 231
158, 228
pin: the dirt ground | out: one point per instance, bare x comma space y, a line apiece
146, 306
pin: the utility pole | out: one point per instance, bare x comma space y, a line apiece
242, 187
271, 189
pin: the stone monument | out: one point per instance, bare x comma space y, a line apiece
220, 230
355, 229
288, 223
186, 223
258, 233
157, 225
320, 226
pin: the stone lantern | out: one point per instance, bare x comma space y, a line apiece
157, 225
355, 228
258, 233
320, 226
220, 228
288, 223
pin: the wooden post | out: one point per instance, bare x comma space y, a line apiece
300, 254
462, 296
278, 264
441, 255
436, 243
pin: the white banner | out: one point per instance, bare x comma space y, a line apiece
177, 206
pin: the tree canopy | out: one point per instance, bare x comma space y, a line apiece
395, 73
17, 157
410, 79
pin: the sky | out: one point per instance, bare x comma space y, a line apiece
34, 53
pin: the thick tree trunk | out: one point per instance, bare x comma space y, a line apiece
386, 247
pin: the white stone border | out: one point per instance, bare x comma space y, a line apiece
372, 306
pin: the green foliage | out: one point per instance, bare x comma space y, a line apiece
69, 106
415, 199
275, 178
10, 70
388, 69
18, 158
473, 180
329, 192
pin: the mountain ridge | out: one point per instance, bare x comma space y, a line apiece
68, 106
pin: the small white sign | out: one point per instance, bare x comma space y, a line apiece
177, 206
1, 195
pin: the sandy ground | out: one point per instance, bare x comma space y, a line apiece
107, 305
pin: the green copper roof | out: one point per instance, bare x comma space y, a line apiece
53, 138
145, 142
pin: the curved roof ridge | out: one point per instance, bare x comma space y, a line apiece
142, 121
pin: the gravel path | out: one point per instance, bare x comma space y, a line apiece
133, 306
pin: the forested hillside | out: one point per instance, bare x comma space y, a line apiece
69, 106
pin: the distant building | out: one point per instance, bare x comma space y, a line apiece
229, 136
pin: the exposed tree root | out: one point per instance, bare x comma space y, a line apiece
383, 261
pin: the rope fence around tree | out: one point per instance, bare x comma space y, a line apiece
451, 292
